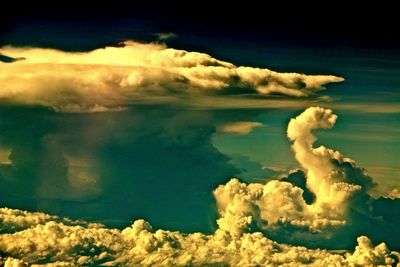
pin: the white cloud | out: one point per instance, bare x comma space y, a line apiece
114, 78
240, 127
66, 245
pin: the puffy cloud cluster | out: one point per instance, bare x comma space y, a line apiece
393, 194
324, 176
114, 78
281, 202
58, 244
12, 220
323, 204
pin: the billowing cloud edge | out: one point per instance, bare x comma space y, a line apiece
49, 240
114, 78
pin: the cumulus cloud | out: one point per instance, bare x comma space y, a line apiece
324, 178
281, 202
324, 203
114, 78
393, 194
240, 127
59, 244
250, 214
12, 220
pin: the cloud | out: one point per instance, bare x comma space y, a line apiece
279, 202
113, 78
165, 36
324, 203
240, 127
61, 244
251, 217
16, 220
13, 220
325, 168
86, 165
362, 108
394, 194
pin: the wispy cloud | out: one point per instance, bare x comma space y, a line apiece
240, 127
366, 108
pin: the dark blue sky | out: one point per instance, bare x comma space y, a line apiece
87, 24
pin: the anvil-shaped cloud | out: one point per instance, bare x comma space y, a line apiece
113, 78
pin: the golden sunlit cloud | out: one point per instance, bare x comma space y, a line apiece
113, 78
241, 127
66, 244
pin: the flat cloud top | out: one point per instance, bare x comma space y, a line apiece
113, 78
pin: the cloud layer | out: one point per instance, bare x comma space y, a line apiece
251, 217
60, 244
114, 78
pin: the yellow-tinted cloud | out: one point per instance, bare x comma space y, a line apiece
5, 156
240, 127
394, 194
139, 245
318, 161
241, 205
113, 78
30, 238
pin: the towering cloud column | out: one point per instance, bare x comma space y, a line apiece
334, 180
324, 176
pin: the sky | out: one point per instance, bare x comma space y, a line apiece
168, 136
